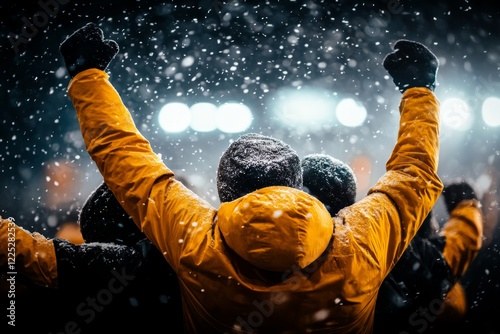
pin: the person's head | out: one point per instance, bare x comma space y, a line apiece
255, 161
330, 180
103, 219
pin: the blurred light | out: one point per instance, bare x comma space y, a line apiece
491, 111
455, 114
362, 168
174, 117
203, 117
61, 177
351, 113
233, 117
304, 109
70, 231
482, 184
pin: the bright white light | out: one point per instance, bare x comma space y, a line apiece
233, 117
203, 117
455, 114
304, 109
491, 111
174, 117
351, 113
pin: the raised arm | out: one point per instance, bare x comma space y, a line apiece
396, 205
464, 229
161, 206
57, 263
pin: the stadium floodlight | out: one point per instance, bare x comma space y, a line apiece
491, 111
233, 117
203, 117
303, 110
455, 114
174, 117
350, 112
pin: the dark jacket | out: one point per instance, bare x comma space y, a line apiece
413, 297
103, 287
117, 286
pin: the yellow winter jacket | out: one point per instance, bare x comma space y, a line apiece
464, 235
272, 261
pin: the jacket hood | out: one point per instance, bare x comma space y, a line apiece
276, 228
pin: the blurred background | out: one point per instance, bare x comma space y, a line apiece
307, 72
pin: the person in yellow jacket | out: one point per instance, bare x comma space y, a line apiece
271, 260
110, 280
435, 296
481, 281
463, 233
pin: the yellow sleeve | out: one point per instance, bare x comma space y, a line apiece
463, 232
162, 207
411, 185
454, 307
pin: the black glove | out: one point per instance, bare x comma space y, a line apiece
412, 65
86, 48
456, 192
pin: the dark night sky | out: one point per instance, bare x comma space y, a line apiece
39, 123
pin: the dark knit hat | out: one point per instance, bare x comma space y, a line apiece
330, 180
103, 219
254, 161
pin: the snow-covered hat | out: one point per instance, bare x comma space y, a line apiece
102, 219
330, 180
255, 161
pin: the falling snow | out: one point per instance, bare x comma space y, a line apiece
227, 51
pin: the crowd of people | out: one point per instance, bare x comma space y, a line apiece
289, 249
